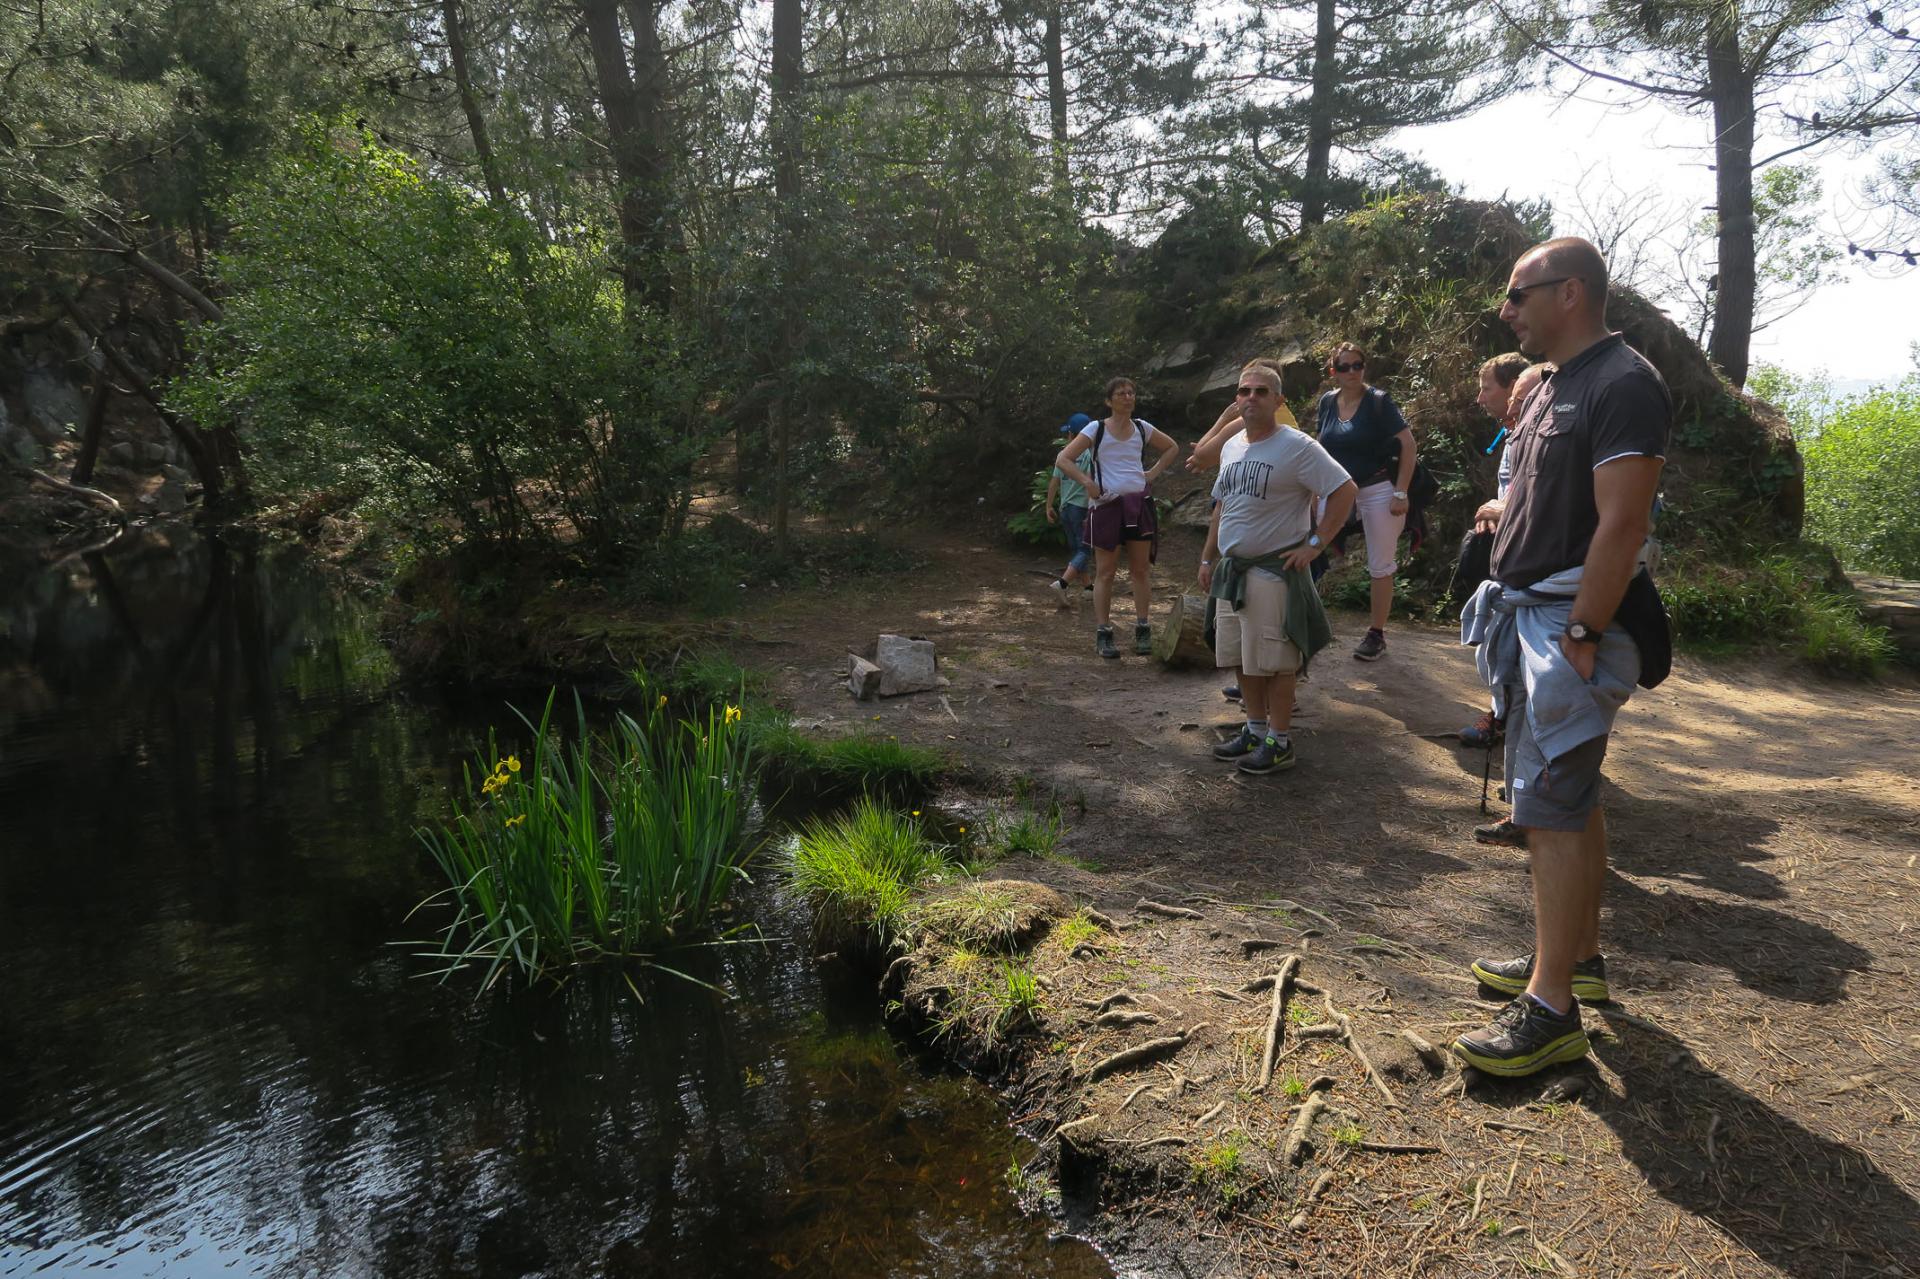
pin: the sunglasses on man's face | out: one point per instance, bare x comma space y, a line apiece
1255, 391
1354, 367
1518, 293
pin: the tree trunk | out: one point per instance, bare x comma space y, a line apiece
1057, 105
95, 426
476, 123
785, 92
1313, 194
1182, 640
206, 466
1731, 86
638, 158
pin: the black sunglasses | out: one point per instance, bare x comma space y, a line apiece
1254, 391
1338, 367
1518, 293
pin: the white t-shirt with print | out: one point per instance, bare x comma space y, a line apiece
1119, 470
1267, 493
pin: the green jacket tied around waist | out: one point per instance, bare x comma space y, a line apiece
1306, 621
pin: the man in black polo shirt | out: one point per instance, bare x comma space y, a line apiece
1587, 457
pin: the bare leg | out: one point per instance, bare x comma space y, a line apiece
1104, 563
1280, 702
1380, 596
1569, 869
1253, 691
1140, 570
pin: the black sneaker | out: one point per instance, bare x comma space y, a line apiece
1268, 757
1524, 1037
1372, 646
1143, 638
1231, 692
1510, 976
1103, 642
1241, 743
1504, 834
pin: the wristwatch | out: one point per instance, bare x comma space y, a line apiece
1313, 540
1399, 495
1581, 633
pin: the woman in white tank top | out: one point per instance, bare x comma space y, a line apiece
1120, 512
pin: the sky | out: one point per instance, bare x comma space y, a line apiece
1543, 143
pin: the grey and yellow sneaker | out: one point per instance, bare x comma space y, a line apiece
1103, 642
1240, 744
1510, 977
1523, 1037
1270, 756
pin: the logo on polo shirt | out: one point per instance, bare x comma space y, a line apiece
1565, 408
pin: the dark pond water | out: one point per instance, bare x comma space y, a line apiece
215, 1061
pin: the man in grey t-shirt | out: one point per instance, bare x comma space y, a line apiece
1264, 507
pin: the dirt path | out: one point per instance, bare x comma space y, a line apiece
1756, 1103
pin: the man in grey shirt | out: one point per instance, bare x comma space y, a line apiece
1263, 538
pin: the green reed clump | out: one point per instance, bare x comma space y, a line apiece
617, 844
861, 869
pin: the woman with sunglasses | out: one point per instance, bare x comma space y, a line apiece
1362, 428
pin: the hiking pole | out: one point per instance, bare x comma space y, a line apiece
1486, 768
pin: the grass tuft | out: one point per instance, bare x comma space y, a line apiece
861, 869
824, 769
1221, 1167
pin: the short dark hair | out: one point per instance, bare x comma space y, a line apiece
1506, 368
1115, 383
1347, 346
1578, 259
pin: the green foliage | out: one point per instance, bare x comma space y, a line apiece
1222, 1168
615, 845
1075, 931
1778, 599
1863, 478
1023, 829
834, 767
860, 870
1031, 525
392, 336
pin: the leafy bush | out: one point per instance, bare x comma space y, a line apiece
1777, 598
1863, 480
390, 334
1031, 525
613, 844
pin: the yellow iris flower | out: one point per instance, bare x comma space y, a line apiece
732, 715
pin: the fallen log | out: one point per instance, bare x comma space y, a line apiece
1182, 640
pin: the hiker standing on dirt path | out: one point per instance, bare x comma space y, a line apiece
1067, 507
1119, 486
1259, 544
1564, 625
1361, 427
1505, 382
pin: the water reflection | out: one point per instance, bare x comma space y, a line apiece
214, 1060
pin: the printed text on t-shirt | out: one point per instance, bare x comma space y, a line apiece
1246, 478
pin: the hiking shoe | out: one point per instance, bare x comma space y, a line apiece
1241, 743
1103, 642
1143, 638
1268, 757
1231, 692
1372, 646
1510, 976
1524, 1037
1060, 588
1504, 834
1484, 732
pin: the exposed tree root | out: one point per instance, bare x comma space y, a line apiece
1297, 1136
1314, 1191
1276, 1017
1150, 907
1121, 1017
1136, 1055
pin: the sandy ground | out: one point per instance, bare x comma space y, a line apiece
1757, 1108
